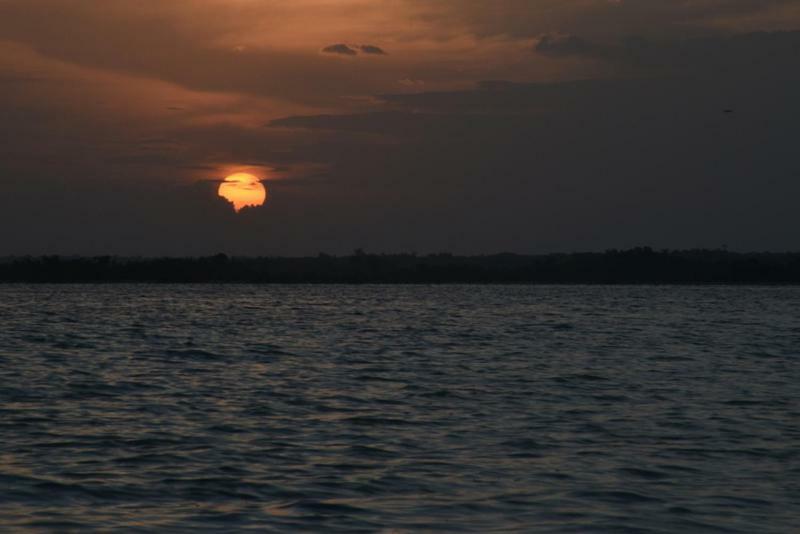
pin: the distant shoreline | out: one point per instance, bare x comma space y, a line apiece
639, 266
113, 283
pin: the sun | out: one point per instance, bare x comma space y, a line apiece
243, 190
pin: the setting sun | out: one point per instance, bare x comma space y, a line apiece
243, 190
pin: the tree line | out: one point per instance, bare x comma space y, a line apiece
641, 265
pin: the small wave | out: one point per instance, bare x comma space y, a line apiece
180, 355
370, 420
581, 377
647, 474
616, 496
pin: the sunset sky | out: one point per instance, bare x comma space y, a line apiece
470, 126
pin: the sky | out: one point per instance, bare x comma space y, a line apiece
465, 126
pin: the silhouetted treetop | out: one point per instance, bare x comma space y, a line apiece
641, 265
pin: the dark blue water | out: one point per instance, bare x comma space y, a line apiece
393, 409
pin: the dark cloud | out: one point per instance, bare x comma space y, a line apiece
747, 55
757, 54
373, 50
604, 19
341, 49
12, 79
588, 164
564, 45
353, 50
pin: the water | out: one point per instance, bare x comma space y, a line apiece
393, 409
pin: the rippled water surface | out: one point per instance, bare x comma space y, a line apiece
393, 409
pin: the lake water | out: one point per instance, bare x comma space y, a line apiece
394, 409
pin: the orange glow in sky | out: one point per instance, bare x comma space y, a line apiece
243, 190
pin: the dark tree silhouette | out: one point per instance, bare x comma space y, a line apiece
641, 265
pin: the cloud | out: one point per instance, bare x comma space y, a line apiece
353, 50
112, 43
757, 54
581, 165
263, 49
564, 45
341, 49
748, 55
599, 20
13, 79
372, 49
